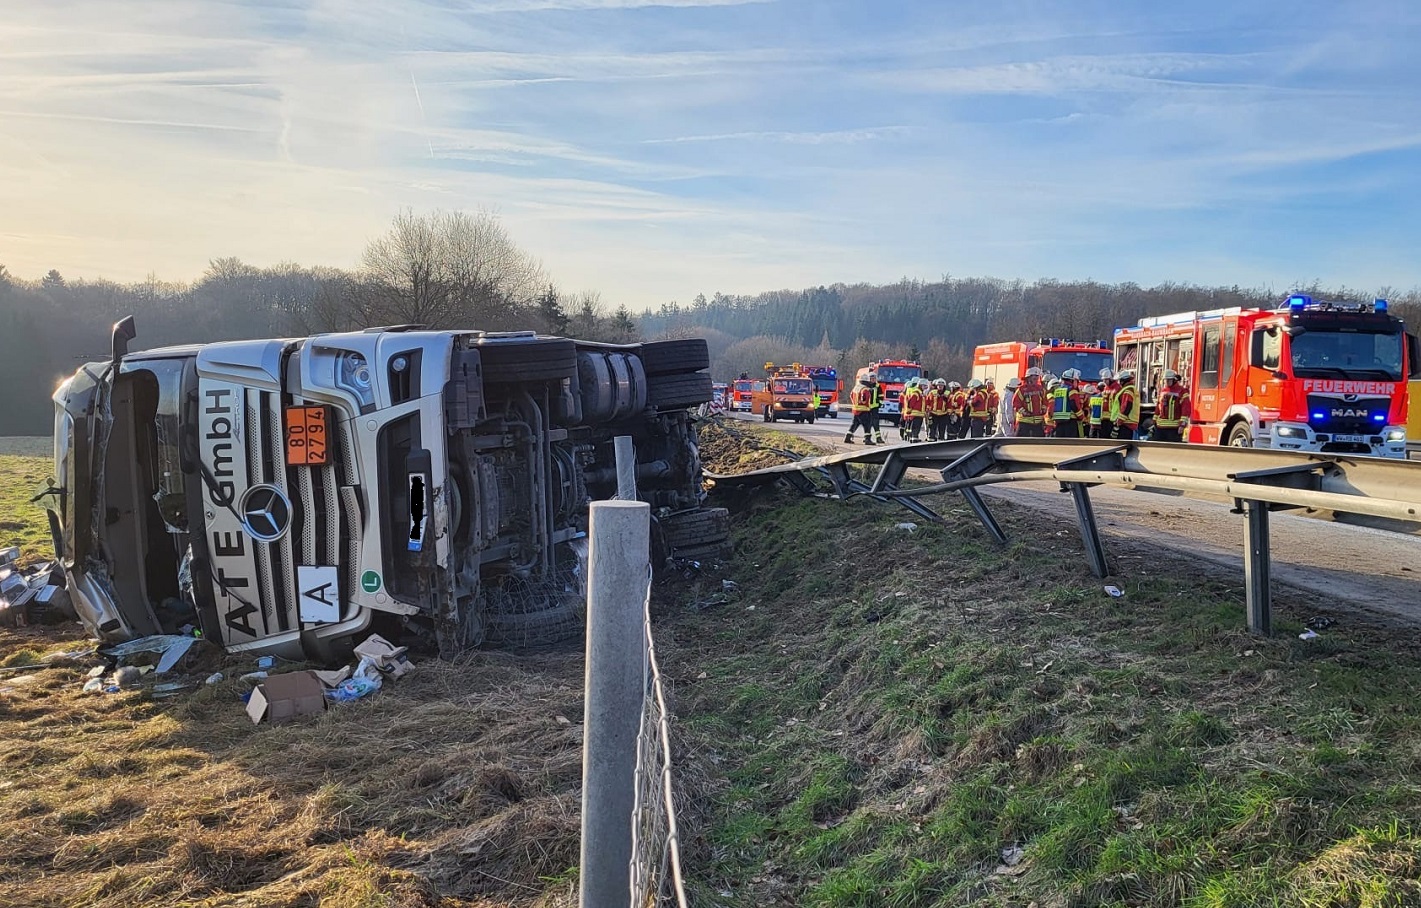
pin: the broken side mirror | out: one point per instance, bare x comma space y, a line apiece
123, 332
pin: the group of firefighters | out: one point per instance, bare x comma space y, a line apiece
1040, 405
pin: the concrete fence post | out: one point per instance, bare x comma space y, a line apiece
625, 452
615, 685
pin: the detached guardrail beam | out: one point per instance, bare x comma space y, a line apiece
1258, 481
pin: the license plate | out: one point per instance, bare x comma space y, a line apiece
1350, 439
890, 408
307, 435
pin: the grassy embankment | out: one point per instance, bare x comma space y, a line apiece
870, 721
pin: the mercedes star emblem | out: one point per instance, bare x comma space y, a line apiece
266, 513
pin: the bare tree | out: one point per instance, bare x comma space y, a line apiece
448, 269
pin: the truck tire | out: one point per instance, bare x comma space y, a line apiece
675, 357
512, 360
667, 392
1240, 436
534, 630
714, 551
696, 528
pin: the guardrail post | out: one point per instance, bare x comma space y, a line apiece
625, 452
1090, 531
1257, 567
615, 685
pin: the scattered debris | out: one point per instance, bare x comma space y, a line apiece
729, 586
282, 698
1115, 591
906, 527
213, 678
170, 647
1012, 855
1309, 634
1321, 622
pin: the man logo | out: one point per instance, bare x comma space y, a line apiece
266, 513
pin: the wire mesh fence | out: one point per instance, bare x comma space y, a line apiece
656, 848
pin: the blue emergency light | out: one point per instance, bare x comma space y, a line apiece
1319, 416
1378, 417
1298, 301
1379, 306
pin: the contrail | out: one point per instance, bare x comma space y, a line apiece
422, 120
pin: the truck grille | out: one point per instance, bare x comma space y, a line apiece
318, 505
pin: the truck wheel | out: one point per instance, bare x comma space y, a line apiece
696, 528
675, 357
1241, 436
527, 358
811, 419
667, 392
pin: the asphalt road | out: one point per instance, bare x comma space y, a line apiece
1376, 567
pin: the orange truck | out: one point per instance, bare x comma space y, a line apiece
892, 375
787, 393
1004, 361
1307, 376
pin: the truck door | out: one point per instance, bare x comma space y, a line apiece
1210, 403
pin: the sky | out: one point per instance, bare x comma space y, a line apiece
656, 149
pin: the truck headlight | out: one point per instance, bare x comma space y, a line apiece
353, 375
1394, 436
1289, 432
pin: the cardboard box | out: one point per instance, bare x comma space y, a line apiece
388, 658
281, 698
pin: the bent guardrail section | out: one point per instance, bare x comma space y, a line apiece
1258, 480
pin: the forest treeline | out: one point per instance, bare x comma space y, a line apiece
940, 322
457, 269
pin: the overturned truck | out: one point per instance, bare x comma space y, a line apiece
288, 496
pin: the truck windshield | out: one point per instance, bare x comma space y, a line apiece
898, 374
1323, 353
792, 386
824, 383
1090, 363
165, 377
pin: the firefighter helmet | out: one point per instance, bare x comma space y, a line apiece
939, 383
975, 383
1106, 375
1171, 375
870, 379
955, 385
1071, 375
1033, 372
1125, 375
1013, 383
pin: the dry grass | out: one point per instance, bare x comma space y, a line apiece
456, 786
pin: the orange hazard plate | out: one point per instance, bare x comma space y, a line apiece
306, 436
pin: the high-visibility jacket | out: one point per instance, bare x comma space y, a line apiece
1172, 406
994, 400
1108, 397
1097, 408
1127, 406
977, 406
861, 399
912, 402
1060, 403
936, 402
1030, 404
815, 401
957, 402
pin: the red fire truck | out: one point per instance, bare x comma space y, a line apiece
892, 375
1055, 355
742, 393
1308, 376
830, 388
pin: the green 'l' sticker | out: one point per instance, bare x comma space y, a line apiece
370, 582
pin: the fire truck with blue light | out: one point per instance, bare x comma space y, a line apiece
830, 387
1004, 361
1309, 375
892, 375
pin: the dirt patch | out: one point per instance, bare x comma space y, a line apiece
727, 447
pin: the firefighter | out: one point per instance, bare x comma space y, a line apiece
1108, 388
1171, 409
1030, 405
1126, 403
861, 400
993, 402
956, 410
876, 410
936, 404
914, 407
1066, 405
1095, 409
1006, 416
979, 414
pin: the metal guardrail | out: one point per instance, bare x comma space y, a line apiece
1259, 481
